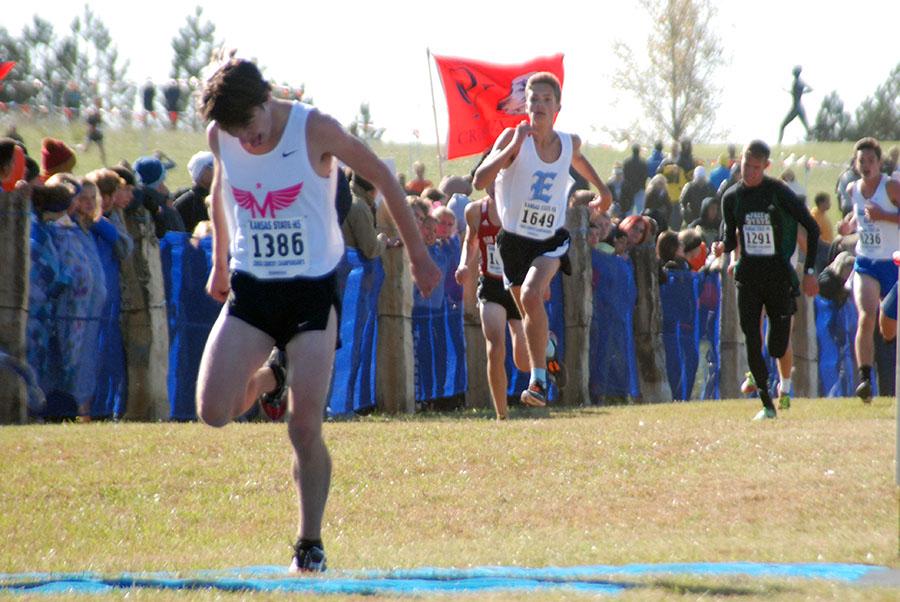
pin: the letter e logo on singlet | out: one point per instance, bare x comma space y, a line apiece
543, 180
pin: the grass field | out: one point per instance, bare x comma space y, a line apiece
180, 145
687, 482
664, 483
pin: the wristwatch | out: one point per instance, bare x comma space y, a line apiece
810, 271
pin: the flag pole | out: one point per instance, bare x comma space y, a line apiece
437, 137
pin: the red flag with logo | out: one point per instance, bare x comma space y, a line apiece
485, 98
5, 68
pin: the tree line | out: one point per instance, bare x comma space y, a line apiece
878, 115
70, 69
677, 89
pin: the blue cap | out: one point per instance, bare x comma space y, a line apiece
149, 171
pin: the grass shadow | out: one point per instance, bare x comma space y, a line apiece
694, 587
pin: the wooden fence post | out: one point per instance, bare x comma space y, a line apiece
648, 343
578, 309
806, 347
15, 255
145, 328
732, 352
395, 378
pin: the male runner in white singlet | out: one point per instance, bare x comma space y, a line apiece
531, 166
875, 199
273, 212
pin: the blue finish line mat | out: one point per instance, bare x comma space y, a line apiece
423, 581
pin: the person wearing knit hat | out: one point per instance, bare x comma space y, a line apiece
199, 163
693, 193
149, 171
191, 205
56, 157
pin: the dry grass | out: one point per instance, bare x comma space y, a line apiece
666, 483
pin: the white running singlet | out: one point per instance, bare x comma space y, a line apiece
531, 194
877, 239
281, 213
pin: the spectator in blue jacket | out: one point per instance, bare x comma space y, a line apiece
721, 171
113, 245
656, 158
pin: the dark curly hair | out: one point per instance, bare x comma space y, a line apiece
232, 92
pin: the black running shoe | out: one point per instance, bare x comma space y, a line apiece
864, 390
274, 403
308, 559
535, 395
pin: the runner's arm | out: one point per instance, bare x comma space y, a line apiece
500, 157
330, 139
893, 191
874, 213
800, 213
730, 225
469, 254
218, 284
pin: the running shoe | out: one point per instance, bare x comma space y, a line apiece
748, 387
535, 395
274, 403
555, 368
766, 414
864, 390
308, 559
784, 399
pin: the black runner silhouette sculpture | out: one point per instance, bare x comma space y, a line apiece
797, 91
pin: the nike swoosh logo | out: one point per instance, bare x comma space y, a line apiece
289, 153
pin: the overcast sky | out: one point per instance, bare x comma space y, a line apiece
352, 51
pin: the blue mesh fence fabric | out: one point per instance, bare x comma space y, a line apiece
191, 313
353, 381
885, 365
613, 366
598, 580
66, 301
690, 329
67, 319
681, 330
708, 298
835, 327
111, 389
836, 332
438, 337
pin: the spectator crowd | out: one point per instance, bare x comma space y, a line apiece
93, 238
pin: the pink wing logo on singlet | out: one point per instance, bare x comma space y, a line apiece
275, 200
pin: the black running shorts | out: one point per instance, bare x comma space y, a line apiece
490, 290
519, 252
284, 308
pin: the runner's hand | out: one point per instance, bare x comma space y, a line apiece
219, 284
810, 285
523, 131
874, 213
426, 275
462, 274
